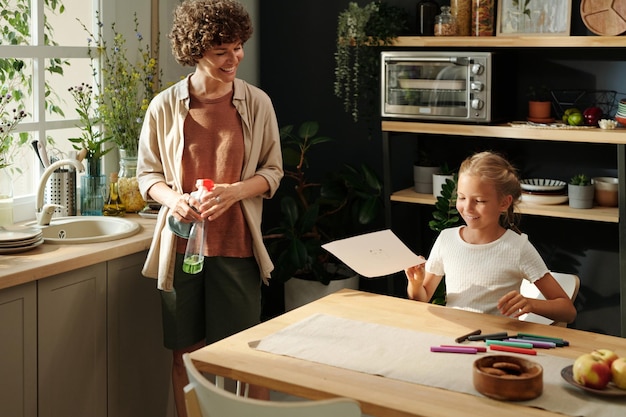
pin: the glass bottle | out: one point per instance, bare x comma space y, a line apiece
113, 205
426, 12
482, 17
462, 12
128, 184
445, 24
193, 260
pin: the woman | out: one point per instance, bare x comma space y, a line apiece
209, 125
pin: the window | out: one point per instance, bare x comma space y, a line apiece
47, 37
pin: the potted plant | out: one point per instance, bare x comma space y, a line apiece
423, 170
361, 31
445, 215
343, 203
126, 85
539, 104
443, 174
580, 192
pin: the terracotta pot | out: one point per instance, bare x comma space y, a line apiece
539, 109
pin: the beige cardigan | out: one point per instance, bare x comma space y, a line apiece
160, 152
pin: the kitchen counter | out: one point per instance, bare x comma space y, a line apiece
52, 259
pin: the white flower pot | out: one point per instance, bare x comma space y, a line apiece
299, 292
438, 181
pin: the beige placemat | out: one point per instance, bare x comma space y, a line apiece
405, 355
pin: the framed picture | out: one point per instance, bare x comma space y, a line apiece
533, 17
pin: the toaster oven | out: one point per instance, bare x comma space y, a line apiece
450, 86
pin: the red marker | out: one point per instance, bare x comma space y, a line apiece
513, 349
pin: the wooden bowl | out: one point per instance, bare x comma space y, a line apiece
508, 378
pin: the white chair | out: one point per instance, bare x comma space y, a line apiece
204, 399
570, 284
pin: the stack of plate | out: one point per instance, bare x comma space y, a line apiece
543, 191
19, 239
621, 112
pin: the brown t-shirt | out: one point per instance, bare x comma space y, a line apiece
214, 149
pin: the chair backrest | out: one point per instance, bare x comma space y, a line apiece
204, 399
570, 284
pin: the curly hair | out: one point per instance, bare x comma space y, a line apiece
200, 25
492, 167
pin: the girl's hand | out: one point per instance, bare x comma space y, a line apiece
415, 274
514, 304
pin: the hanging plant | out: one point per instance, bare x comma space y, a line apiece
361, 31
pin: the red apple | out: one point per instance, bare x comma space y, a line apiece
618, 371
592, 115
591, 371
606, 355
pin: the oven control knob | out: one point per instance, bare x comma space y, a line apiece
477, 69
477, 104
476, 86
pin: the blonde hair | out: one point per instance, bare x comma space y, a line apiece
494, 168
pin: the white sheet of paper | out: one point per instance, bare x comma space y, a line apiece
374, 254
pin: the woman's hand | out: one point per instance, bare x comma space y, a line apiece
514, 304
183, 209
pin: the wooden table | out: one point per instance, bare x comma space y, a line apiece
233, 358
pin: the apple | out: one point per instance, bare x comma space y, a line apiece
618, 372
591, 371
607, 356
592, 115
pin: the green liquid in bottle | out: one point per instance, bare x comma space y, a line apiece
193, 264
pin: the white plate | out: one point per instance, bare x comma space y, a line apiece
10, 234
542, 184
21, 248
543, 199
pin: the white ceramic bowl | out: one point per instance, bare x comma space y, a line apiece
542, 184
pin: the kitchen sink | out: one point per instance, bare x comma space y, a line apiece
86, 229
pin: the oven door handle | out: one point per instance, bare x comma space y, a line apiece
453, 59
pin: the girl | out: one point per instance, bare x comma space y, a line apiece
485, 261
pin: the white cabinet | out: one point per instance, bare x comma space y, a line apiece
18, 351
72, 358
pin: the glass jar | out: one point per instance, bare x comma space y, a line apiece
445, 23
482, 17
127, 183
462, 12
426, 12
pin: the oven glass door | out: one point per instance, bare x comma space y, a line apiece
435, 88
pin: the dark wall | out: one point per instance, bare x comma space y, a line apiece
297, 71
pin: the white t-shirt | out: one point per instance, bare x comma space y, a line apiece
477, 276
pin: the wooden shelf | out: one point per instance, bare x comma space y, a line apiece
505, 131
512, 41
598, 214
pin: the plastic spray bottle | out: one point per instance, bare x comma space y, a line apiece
194, 252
